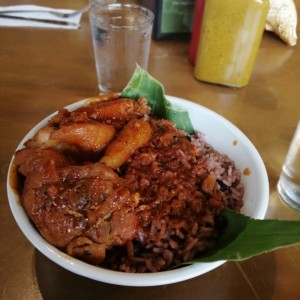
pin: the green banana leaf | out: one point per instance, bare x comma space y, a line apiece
142, 84
240, 237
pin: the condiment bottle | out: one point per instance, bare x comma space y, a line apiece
197, 21
230, 36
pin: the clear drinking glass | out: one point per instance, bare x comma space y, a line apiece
121, 39
289, 181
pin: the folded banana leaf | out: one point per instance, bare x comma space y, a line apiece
241, 237
142, 84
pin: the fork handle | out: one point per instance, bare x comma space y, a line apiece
39, 20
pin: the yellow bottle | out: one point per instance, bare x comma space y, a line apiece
229, 40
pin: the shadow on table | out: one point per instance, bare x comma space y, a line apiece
251, 279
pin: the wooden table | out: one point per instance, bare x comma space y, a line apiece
42, 70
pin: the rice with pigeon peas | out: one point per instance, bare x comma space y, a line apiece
183, 184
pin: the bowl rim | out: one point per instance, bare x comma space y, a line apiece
115, 277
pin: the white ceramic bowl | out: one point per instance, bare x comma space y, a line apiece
224, 137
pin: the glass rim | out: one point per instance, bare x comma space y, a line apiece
98, 7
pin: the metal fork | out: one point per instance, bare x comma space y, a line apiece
55, 13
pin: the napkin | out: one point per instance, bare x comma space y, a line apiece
37, 16
282, 20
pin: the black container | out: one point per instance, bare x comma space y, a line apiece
173, 19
